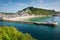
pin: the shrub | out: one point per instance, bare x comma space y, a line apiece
10, 33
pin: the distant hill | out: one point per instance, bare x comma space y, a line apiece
7, 13
36, 11
33, 11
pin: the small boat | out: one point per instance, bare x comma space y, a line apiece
46, 23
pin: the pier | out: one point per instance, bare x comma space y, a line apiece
35, 23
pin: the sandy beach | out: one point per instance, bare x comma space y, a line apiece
22, 18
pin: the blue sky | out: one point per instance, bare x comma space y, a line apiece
15, 5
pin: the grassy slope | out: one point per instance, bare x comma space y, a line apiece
10, 33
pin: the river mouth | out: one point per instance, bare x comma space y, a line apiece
38, 31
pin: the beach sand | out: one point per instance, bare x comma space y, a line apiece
22, 18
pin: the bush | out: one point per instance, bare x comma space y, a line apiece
10, 33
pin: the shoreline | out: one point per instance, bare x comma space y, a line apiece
23, 18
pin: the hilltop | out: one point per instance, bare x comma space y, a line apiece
36, 11
32, 11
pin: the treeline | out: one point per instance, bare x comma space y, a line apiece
34, 11
40, 11
10, 33
7, 13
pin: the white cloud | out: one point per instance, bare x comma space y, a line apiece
38, 2
41, 1
11, 4
56, 3
20, 4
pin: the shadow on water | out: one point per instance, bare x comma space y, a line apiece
37, 31
43, 32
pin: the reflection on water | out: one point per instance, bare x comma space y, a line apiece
1, 24
43, 19
39, 31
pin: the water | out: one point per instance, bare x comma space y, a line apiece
38, 31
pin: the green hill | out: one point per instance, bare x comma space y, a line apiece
37, 11
10, 33
33, 11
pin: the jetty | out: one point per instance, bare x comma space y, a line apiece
51, 23
35, 23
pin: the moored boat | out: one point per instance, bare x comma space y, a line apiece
46, 23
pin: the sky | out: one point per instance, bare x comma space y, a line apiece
16, 5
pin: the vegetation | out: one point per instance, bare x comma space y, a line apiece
10, 33
39, 11
7, 13
34, 11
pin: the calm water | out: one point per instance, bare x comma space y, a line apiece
38, 31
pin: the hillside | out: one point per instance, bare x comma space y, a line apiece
11, 33
36, 11
32, 11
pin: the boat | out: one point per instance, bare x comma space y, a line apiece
46, 23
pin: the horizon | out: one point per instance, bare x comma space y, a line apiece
13, 6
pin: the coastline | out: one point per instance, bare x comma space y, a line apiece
23, 18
